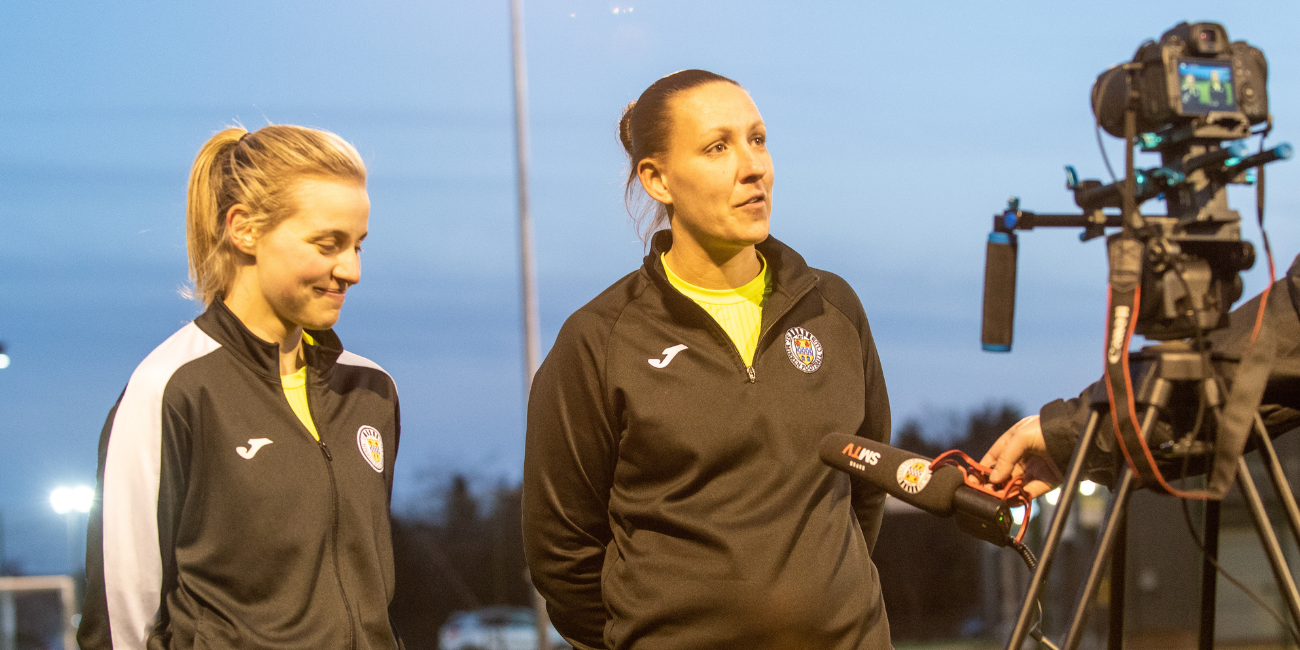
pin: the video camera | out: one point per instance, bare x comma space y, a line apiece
1194, 80
1182, 97
1192, 98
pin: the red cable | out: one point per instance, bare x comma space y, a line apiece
1011, 492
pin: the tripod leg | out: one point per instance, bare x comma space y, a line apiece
1278, 478
1281, 573
1114, 521
1209, 575
1068, 490
1118, 572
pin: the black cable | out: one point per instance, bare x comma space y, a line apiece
1191, 529
1259, 200
1025, 554
1037, 635
1035, 632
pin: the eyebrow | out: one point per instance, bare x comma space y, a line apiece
338, 234
726, 130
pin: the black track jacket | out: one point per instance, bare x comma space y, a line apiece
223, 523
674, 498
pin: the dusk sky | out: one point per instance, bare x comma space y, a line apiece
896, 131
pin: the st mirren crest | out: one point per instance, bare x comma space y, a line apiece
371, 445
804, 350
913, 475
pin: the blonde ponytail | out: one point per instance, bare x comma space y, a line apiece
257, 170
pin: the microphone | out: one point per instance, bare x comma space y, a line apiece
907, 477
999, 292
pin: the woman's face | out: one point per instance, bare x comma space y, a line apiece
306, 264
717, 173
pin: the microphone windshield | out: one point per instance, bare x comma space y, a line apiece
999, 292
903, 474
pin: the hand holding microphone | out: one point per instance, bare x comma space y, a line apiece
1021, 451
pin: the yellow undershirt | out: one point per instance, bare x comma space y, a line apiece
738, 311
295, 390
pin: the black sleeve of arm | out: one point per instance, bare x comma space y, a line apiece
1062, 422
868, 501
93, 632
569, 460
130, 555
392, 466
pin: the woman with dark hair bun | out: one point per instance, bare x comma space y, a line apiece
673, 495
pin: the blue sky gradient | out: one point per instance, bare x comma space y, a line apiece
896, 129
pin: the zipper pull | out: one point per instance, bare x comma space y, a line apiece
325, 449
753, 376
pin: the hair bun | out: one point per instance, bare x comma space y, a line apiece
625, 127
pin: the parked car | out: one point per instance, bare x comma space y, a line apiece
495, 628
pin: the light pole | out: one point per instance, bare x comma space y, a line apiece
527, 269
69, 502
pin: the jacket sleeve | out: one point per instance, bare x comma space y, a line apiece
569, 460
130, 545
868, 501
1063, 420
392, 464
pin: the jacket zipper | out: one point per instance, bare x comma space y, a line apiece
334, 543
749, 370
333, 492
334, 525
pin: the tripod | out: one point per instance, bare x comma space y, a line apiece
1167, 371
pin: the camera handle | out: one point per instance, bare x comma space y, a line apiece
1162, 366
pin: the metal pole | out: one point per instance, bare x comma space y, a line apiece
1118, 578
1209, 576
8, 615
72, 541
1276, 560
8, 621
527, 272
1105, 545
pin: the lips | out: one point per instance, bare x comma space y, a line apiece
333, 294
753, 199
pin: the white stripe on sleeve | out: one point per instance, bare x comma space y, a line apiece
350, 359
132, 470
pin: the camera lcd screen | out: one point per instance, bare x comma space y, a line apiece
1206, 86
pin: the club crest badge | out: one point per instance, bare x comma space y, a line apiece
804, 350
913, 475
372, 447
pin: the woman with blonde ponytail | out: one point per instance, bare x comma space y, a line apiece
246, 470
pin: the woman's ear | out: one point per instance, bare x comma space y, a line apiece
241, 229
653, 181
